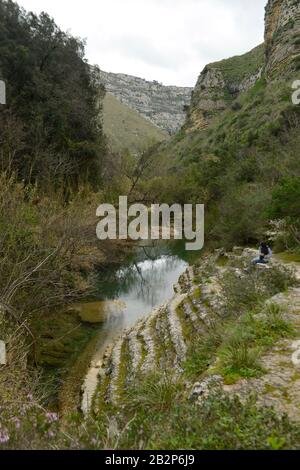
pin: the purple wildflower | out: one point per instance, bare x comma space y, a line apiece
52, 417
17, 422
4, 437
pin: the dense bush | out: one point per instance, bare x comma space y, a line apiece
244, 290
284, 208
50, 128
42, 239
154, 417
235, 163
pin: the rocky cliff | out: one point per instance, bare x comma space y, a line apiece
282, 35
163, 105
221, 83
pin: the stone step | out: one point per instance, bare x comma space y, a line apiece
175, 328
135, 347
165, 348
191, 312
147, 333
102, 392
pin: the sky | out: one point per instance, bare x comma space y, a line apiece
170, 41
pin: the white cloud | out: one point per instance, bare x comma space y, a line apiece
165, 40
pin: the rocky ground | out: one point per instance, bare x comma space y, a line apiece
280, 385
161, 341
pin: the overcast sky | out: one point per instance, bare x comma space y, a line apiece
165, 40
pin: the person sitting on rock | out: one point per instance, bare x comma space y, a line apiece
265, 254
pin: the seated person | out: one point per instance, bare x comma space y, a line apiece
265, 254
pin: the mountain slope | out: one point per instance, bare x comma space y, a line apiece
222, 82
163, 105
241, 137
126, 129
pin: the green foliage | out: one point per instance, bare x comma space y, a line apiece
285, 199
284, 210
50, 127
156, 394
219, 423
245, 341
39, 236
126, 129
202, 350
247, 289
237, 68
273, 323
242, 213
237, 359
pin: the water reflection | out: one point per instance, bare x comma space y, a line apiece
147, 284
143, 283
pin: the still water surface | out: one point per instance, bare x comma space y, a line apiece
130, 293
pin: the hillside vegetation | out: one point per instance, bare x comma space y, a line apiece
212, 368
162, 105
53, 156
238, 68
238, 152
126, 129
49, 129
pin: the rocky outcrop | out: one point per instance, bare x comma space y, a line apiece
160, 341
282, 35
220, 84
163, 105
279, 386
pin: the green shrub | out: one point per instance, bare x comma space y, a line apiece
238, 358
218, 423
248, 288
202, 350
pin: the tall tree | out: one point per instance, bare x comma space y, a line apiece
52, 94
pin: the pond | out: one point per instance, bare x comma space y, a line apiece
129, 293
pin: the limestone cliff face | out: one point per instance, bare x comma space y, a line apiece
163, 105
221, 83
207, 98
282, 35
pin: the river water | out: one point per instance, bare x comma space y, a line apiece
129, 293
